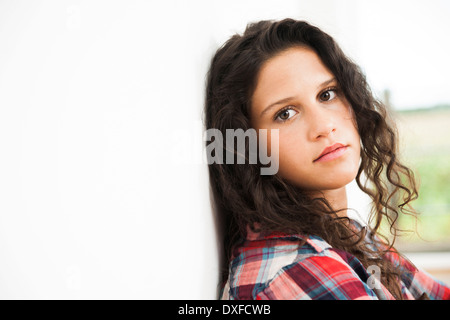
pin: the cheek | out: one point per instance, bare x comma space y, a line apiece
293, 153
349, 124
353, 129
352, 119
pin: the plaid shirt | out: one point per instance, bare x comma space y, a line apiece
282, 266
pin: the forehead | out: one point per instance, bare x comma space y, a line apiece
291, 71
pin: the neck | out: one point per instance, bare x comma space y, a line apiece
337, 198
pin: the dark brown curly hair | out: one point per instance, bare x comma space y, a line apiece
243, 197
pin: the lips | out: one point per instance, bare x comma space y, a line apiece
331, 152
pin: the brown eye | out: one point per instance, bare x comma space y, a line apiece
327, 95
285, 115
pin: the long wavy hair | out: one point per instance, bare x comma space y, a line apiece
245, 198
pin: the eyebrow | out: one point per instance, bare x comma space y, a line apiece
284, 100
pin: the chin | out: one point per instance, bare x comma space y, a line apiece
324, 184
337, 183
334, 179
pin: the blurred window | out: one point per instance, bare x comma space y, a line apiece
425, 148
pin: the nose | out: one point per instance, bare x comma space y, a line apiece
321, 123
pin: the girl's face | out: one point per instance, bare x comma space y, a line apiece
319, 145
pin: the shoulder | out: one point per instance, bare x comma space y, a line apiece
282, 266
417, 282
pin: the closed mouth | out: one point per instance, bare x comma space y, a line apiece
331, 152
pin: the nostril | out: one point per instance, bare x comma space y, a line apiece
326, 133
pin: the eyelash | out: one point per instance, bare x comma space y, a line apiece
333, 89
277, 115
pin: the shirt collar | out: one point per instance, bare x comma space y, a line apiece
314, 241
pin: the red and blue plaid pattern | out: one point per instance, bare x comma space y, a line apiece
281, 266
